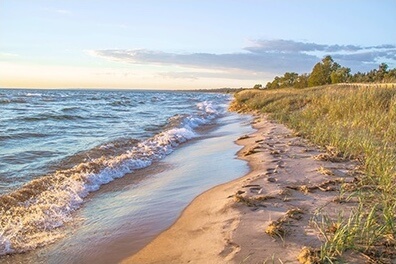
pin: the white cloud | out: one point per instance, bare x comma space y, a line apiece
231, 75
262, 62
262, 57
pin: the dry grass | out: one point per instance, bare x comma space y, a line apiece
308, 256
275, 229
351, 122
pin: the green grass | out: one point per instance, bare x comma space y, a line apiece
359, 122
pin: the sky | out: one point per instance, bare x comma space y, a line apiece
161, 44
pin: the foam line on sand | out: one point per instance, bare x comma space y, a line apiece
265, 215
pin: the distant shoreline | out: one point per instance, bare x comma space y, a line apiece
213, 90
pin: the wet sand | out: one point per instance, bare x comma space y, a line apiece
264, 216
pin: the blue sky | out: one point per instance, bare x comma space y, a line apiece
186, 44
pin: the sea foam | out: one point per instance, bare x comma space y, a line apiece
31, 215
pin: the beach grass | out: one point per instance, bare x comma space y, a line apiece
351, 122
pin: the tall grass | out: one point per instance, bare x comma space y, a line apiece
360, 123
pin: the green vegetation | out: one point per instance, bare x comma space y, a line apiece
215, 90
329, 72
359, 122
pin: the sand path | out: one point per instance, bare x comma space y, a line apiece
265, 215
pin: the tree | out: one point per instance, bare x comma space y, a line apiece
383, 67
382, 71
257, 86
340, 75
321, 72
302, 81
327, 71
288, 79
390, 76
274, 84
317, 76
358, 77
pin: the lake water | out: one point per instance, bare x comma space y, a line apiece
60, 149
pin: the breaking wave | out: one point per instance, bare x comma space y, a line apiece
30, 216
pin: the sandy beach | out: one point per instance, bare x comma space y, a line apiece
270, 214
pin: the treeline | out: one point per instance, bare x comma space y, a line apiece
329, 72
219, 90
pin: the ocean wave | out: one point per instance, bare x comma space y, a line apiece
23, 135
57, 117
25, 156
34, 94
31, 215
121, 103
12, 100
71, 109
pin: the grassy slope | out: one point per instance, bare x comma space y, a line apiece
355, 122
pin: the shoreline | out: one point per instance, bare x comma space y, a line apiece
210, 219
125, 215
264, 215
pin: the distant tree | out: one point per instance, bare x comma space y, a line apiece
358, 77
382, 74
302, 81
383, 67
288, 79
257, 86
321, 72
390, 76
371, 76
317, 76
275, 83
326, 72
382, 70
340, 75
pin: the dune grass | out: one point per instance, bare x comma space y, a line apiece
355, 122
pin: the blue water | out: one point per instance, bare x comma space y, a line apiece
40, 129
56, 146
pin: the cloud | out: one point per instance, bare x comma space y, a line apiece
282, 46
364, 57
357, 57
290, 46
263, 62
262, 57
233, 75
